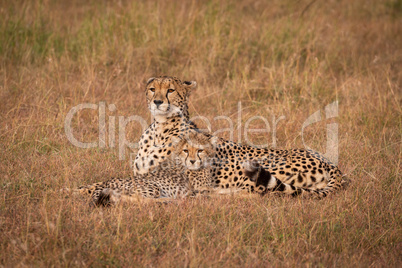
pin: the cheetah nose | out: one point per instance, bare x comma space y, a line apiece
192, 162
158, 102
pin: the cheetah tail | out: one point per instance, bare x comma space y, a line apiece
262, 177
104, 198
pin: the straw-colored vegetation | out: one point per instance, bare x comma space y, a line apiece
279, 58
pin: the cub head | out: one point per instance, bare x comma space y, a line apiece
196, 151
167, 96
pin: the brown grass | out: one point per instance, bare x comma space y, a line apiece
286, 58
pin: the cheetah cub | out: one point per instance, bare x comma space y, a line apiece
186, 173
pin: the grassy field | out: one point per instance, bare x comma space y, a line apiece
279, 58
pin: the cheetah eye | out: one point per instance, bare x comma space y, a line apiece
200, 151
185, 151
152, 89
170, 90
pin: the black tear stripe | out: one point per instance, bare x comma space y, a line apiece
168, 98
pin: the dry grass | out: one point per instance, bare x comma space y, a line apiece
286, 58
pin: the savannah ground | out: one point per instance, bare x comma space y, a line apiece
279, 58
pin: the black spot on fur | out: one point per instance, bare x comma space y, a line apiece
299, 178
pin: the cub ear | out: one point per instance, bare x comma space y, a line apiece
210, 149
214, 140
178, 145
190, 85
150, 80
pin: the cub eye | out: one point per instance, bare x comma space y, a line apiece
200, 151
152, 89
185, 151
170, 90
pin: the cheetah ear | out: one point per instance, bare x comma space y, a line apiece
214, 140
190, 85
178, 145
212, 145
150, 80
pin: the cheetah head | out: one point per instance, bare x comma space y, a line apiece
167, 97
196, 151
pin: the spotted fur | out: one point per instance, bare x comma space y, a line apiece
264, 179
167, 100
186, 172
295, 167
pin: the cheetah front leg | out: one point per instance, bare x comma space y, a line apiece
114, 197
